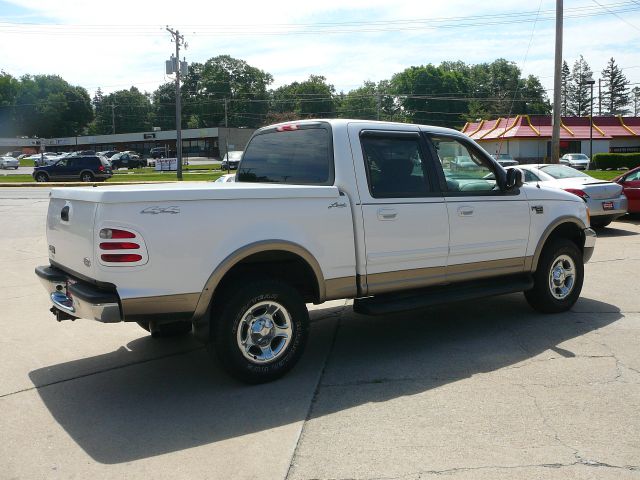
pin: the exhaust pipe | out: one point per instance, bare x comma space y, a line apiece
60, 315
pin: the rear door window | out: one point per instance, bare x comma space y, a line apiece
300, 154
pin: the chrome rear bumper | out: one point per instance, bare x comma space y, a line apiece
78, 299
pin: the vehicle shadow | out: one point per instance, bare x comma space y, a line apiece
184, 400
612, 231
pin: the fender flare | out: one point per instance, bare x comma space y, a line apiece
257, 247
547, 233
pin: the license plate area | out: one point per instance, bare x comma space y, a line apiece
607, 205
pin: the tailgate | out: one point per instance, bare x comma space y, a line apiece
70, 234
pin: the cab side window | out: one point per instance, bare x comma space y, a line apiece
464, 169
394, 165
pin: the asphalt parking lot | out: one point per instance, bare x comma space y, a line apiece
486, 389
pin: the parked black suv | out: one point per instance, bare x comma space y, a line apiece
127, 160
86, 169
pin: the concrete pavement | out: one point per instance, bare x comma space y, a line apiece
485, 389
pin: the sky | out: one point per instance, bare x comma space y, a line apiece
118, 44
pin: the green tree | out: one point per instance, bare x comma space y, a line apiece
429, 94
9, 87
164, 106
635, 100
616, 90
371, 101
579, 100
226, 79
47, 106
565, 81
130, 110
313, 98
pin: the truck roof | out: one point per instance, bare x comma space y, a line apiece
337, 123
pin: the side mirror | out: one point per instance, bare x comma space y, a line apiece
514, 179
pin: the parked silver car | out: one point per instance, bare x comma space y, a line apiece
9, 162
605, 200
578, 161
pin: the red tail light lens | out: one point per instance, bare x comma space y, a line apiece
101, 168
119, 246
109, 233
121, 257
576, 191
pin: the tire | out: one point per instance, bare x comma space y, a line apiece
86, 177
267, 306
41, 177
165, 330
558, 279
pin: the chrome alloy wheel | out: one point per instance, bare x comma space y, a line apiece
562, 277
264, 332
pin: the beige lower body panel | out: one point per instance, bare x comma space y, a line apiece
165, 304
425, 277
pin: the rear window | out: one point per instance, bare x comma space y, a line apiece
560, 171
301, 156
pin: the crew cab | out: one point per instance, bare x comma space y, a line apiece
321, 209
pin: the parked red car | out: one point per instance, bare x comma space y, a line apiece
630, 182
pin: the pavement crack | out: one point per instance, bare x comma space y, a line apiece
316, 392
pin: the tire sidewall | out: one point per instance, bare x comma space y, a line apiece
225, 330
541, 297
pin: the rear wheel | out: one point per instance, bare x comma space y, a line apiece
558, 279
42, 177
86, 177
259, 330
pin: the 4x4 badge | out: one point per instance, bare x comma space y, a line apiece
158, 210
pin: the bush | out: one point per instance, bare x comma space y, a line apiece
616, 160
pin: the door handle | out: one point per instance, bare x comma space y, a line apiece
387, 213
465, 211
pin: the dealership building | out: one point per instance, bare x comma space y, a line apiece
196, 142
527, 138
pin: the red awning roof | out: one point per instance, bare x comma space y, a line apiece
536, 126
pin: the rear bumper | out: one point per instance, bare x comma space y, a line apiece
589, 243
620, 205
79, 299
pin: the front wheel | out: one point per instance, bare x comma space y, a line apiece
41, 177
259, 329
558, 279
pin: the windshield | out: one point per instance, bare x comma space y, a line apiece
235, 155
578, 156
561, 171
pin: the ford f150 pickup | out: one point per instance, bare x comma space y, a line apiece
321, 209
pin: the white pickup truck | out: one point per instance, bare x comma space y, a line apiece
395, 216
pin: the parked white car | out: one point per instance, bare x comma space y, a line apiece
322, 210
41, 160
9, 162
578, 161
605, 199
226, 178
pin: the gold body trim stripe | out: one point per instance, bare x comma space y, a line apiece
180, 303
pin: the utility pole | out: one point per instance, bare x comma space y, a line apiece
557, 82
378, 102
590, 81
113, 118
178, 68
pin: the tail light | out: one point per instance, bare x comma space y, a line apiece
120, 247
576, 191
101, 168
